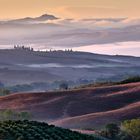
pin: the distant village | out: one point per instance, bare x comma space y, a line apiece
18, 47
25, 48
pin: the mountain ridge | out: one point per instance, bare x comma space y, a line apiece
43, 17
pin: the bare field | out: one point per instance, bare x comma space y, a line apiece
81, 108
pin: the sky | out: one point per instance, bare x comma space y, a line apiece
70, 8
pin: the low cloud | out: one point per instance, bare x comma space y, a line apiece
48, 31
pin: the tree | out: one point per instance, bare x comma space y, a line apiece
8, 114
25, 115
4, 92
124, 136
111, 131
132, 127
63, 86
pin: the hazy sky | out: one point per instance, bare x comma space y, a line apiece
70, 8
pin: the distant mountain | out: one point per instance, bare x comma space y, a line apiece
44, 17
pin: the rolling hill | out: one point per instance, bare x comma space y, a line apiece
80, 108
21, 66
31, 130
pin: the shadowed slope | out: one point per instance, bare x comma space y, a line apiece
21, 66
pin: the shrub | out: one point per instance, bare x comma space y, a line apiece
111, 131
9, 114
4, 92
130, 80
132, 128
63, 86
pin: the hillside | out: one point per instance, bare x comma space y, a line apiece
21, 66
31, 130
79, 108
